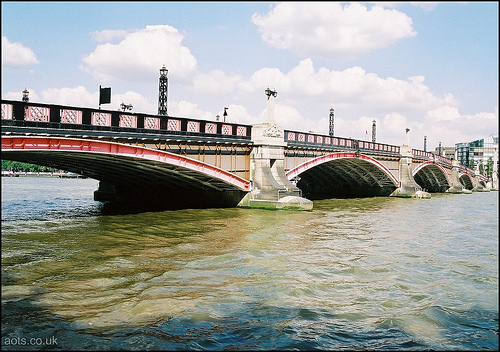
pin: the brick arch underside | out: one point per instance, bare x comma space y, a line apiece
432, 179
142, 181
349, 177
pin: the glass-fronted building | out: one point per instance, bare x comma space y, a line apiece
483, 152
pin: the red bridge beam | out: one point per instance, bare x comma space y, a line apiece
103, 147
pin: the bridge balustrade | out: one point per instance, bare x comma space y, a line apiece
443, 160
422, 154
28, 114
295, 138
59, 117
467, 170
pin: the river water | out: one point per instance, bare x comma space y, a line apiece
374, 273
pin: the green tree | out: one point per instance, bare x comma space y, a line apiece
489, 167
17, 166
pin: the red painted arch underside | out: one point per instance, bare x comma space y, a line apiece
103, 147
336, 156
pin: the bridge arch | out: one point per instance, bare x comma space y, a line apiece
135, 172
343, 175
432, 177
466, 180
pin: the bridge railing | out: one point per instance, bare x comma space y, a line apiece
39, 115
420, 154
296, 138
30, 114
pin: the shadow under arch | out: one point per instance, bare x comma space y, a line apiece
141, 177
432, 177
343, 175
466, 180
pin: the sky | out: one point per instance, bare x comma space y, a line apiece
430, 67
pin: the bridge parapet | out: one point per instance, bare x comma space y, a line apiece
313, 140
19, 114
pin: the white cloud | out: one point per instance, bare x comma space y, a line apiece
140, 55
332, 30
139, 103
78, 96
33, 96
215, 82
238, 114
448, 125
358, 97
187, 109
263, 78
352, 87
16, 55
109, 35
446, 113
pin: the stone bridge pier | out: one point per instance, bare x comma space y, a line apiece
456, 186
271, 189
478, 187
408, 188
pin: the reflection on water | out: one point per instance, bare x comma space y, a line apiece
376, 273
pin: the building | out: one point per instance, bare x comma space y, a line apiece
483, 152
446, 152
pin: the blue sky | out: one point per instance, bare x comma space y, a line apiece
431, 67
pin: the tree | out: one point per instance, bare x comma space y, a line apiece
489, 167
17, 166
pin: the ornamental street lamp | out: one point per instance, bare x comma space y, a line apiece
332, 123
270, 92
163, 91
25, 95
126, 106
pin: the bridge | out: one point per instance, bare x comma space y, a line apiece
179, 162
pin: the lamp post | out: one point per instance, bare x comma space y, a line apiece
332, 123
374, 131
163, 91
271, 94
126, 106
25, 95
